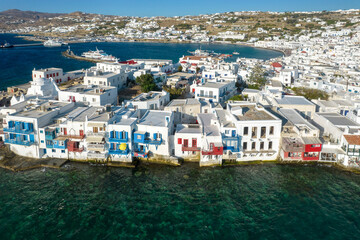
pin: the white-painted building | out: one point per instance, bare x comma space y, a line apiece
152, 100
213, 91
90, 95
153, 135
120, 134
259, 130
55, 73
106, 79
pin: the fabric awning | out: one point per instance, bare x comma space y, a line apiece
94, 138
96, 124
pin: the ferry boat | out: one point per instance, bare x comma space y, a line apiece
100, 55
204, 53
53, 43
6, 45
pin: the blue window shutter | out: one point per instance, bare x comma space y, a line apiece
31, 138
154, 135
126, 135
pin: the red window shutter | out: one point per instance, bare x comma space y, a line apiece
179, 140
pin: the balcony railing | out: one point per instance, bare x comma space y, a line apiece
211, 152
100, 134
19, 142
121, 140
71, 149
49, 136
18, 130
191, 149
72, 136
153, 141
96, 147
228, 138
119, 152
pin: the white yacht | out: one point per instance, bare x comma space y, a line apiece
100, 55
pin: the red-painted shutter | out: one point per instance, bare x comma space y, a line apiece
179, 140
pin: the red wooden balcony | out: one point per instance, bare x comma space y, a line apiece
74, 147
214, 151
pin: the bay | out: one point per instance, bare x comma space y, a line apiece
16, 64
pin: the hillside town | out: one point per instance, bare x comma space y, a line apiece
279, 30
302, 107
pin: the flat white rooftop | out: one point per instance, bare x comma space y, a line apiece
293, 100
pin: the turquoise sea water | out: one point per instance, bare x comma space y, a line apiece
162, 202
16, 64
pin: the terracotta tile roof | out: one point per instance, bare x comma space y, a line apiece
276, 65
352, 139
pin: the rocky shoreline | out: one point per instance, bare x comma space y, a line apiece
16, 163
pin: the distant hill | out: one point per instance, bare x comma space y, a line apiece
16, 13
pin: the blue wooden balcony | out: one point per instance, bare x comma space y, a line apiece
152, 141
142, 137
18, 142
18, 130
118, 137
231, 143
50, 135
118, 140
119, 152
19, 127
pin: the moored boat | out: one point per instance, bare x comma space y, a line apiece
6, 45
53, 43
99, 55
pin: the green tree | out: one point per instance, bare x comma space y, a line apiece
237, 98
146, 82
310, 93
257, 76
180, 68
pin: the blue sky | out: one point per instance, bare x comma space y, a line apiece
174, 8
